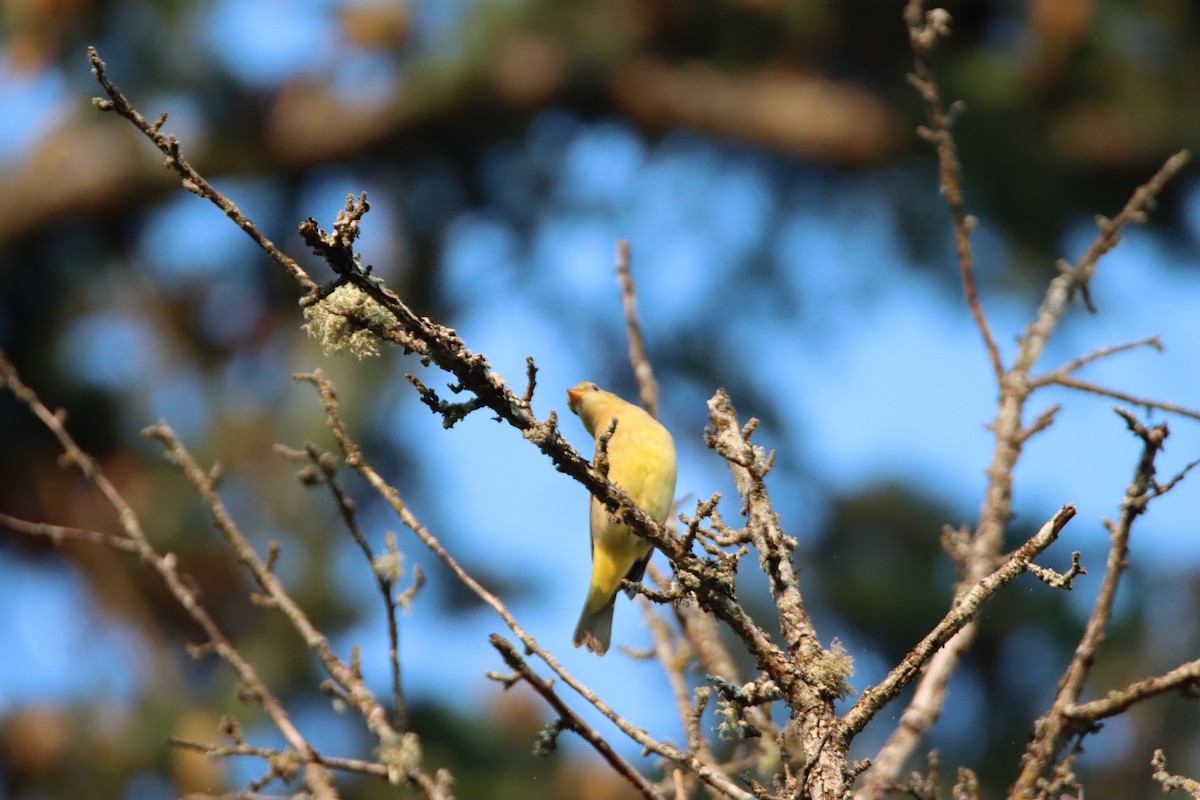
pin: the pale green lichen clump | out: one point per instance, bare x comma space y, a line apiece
831, 668
389, 565
401, 755
344, 321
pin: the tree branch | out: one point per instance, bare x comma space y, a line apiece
1171, 782
642, 371
1057, 724
191, 180
1143, 402
572, 721
966, 605
1100, 353
749, 466
924, 29
1082, 715
386, 568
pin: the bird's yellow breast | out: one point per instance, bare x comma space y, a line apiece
641, 453
641, 461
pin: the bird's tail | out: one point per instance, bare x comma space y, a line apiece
594, 630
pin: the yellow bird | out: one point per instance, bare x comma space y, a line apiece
641, 460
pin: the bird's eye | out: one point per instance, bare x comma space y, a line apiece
593, 387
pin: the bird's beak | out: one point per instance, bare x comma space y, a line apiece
573, 398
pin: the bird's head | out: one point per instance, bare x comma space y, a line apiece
577, 395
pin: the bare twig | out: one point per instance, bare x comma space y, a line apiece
675, 655
923, 30
965, 606
681, 792
451, 413
600, 459
1072, 277
1056, 724
704, 636
1059, 580
385, 568
967, 787
749, 466
811, 678
1169, 782
1133, 213
642, 371
61, 533
247, 796
1043, 421
1185, 676
356, 765
1075, 364
1142, 402
531, 382
191, 180
572, 721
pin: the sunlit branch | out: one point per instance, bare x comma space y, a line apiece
1116, 701
190, 179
